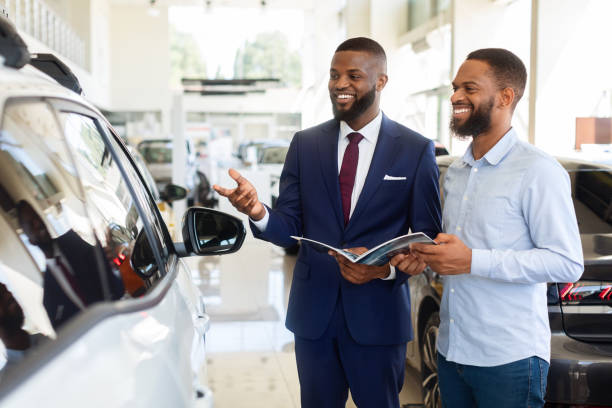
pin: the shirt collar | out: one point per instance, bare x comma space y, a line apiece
369, 131
496, 153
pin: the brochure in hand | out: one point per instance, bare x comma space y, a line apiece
380, 254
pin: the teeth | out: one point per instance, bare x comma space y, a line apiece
461, 110
345, 96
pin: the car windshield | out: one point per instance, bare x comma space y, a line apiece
273, 155
158, 152
592, 195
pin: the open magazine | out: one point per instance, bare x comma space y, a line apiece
380, 254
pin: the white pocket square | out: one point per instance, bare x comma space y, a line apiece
388, 177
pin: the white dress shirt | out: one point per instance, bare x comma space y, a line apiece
514, 208
366, 152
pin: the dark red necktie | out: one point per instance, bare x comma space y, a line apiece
348, 171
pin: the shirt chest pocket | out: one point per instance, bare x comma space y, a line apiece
497, 213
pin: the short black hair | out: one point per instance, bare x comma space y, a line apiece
364, 44
508, 69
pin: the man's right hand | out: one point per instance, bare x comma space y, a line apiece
243, 197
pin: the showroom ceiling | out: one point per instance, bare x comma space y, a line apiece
301, 4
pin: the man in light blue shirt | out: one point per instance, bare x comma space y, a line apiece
510, 228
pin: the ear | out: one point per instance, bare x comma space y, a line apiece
381, 81
506, 96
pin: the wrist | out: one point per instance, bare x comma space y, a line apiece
258, 213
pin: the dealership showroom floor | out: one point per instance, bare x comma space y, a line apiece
250, 352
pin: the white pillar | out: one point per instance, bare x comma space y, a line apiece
179, 153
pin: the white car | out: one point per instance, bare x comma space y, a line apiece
97, 308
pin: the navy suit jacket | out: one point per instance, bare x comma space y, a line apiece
309, 205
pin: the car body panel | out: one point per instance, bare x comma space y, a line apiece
580, 372
120, 361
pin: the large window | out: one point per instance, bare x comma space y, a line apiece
421, 11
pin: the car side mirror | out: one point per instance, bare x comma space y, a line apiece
173, 192
210, 232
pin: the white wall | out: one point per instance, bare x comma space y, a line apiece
324, 30
574, 67
140, 60
357, 14
483, 24
99, 51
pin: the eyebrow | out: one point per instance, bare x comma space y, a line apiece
464, 83
351, 70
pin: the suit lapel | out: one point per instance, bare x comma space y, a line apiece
328, 153
384, 156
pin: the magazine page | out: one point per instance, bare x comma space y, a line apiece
381, 254
321, 247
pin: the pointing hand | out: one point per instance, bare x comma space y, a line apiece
243, 197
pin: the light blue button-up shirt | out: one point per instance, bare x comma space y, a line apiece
513, 207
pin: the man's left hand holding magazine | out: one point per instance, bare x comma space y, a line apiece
359, 273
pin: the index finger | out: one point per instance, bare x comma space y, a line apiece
237, 176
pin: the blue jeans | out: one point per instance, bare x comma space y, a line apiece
518, 384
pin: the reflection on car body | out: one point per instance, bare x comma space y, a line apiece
579, 314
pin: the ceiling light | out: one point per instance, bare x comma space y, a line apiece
153, 11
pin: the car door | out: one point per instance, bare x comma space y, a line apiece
135, 350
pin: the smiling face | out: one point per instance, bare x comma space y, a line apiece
474, 99
355, 81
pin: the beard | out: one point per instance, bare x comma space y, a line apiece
477, 123
357, 108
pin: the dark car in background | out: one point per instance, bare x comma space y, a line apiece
580, 313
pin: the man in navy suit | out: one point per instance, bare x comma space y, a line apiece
352, 182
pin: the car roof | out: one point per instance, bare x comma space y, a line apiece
29, 82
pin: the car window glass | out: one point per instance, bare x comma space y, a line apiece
51, 263
149, 206
273, 155
146, 174
110, 205
592, 195
156, 151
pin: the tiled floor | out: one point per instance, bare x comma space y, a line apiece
251, 362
